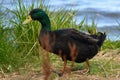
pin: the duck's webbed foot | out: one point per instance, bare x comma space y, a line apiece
85, 71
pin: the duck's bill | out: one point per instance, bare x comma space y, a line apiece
28, 19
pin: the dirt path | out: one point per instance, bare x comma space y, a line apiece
73, 76
37, 75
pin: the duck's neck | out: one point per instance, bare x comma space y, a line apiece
46, 26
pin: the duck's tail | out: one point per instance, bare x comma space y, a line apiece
100, 37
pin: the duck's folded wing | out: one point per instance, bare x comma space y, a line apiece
76, 35
83, 37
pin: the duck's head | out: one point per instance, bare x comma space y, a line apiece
37, 14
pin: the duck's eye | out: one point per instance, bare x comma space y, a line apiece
28, 17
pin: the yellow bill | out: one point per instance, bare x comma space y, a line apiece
28, 19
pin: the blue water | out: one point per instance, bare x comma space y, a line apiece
105, 12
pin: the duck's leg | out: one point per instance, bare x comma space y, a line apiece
73, 60
64, 59
65, 63
73, 53
64, 66
87, 68
61, 72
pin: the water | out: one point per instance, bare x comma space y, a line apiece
105, 12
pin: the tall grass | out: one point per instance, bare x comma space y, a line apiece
18, 41
19, 45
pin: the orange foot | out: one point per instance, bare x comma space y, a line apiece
60, 72
84, 71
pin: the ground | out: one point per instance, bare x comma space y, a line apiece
107, 55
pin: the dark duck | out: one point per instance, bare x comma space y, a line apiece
69, 44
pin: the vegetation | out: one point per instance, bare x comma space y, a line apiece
19, 47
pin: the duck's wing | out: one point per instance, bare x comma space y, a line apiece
76, 35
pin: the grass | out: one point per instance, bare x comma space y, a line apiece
19, 47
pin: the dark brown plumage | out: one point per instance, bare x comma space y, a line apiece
69, 44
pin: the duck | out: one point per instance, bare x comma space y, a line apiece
68, 43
